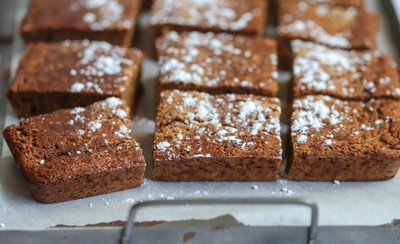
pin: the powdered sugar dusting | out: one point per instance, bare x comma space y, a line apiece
100, 61
295, 24
223, 14
244, 123
341, 73
312, 114
328, 121
103, 14
219, 63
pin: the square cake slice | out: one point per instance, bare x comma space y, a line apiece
54, 76
77, 153
218, 63
346, 141
203, 137
231, 16
112, 21
344, 74
334, 26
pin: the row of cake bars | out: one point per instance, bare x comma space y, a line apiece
206, 136
201, 136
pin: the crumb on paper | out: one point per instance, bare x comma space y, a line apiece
336, 182
287, 191
254, 187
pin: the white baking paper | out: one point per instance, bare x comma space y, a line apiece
363, 203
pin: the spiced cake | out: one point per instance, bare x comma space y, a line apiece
112, 21
217, 63
77, 153
344, 74
344, 140
69, 74
334, 26
231, 16
203, 137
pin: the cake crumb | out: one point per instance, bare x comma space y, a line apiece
90, 204
254, 187
2, 225
336, 182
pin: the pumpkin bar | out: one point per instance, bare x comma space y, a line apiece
77, 153
70, 74
344, 74
218, 63
203, 137
231, 16
344, 140
112, 21
334, 26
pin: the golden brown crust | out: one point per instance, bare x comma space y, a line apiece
349, 141
199, 129
59, 149
217, 169
230, 16
218, 63
53, 21
348, 75
53, 76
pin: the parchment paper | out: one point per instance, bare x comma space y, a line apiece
364, 203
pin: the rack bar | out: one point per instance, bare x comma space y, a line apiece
312, 230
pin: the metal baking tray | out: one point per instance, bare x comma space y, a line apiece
348, 213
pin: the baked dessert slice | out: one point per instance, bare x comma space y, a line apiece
231, 16
217, 63
53, 76
334, 26
112, 21
77, 153
344, 74
346, 141
203, 137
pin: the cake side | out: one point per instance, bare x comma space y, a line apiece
348, 75
86, 147
86, 72
217, 63
346, 141
197, 133
112, 21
